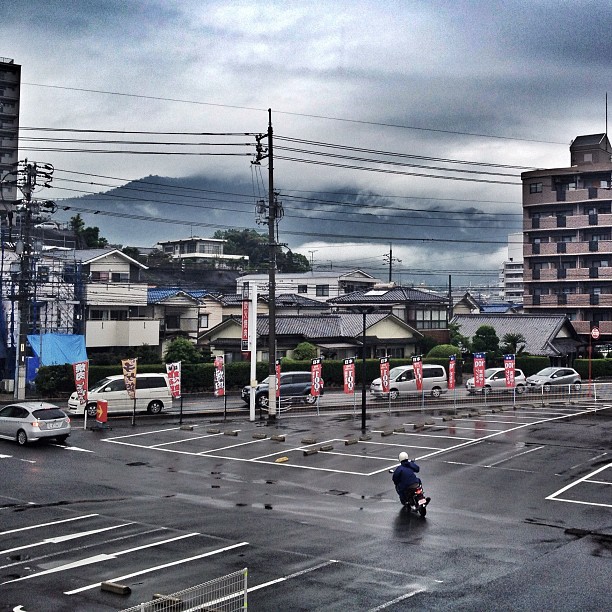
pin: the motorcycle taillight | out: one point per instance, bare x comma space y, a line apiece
419, 491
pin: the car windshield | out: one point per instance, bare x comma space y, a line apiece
48, 414
395, 372
546, 372
99, 385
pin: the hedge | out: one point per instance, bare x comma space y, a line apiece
54, 381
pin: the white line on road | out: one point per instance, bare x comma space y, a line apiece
531, 450
89, 587
397, 600
554, 496
288, 577
96, 559
39, 525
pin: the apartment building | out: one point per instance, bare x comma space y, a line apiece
511, 273
567, 224
10, 84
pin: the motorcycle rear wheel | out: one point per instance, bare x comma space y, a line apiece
423, 511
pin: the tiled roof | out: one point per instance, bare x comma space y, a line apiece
341, 325
395, 295
158, 294
284, 300
540, 331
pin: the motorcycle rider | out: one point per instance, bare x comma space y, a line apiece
405, 479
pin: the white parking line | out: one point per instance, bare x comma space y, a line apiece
89, 587
183, 440
289, 576
531, 450
39, 525
587, 478
97, 559
216, 450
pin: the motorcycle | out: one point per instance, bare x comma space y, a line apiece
417, 501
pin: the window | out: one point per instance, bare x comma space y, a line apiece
303, 289
120, 277
100, 277
98, 315
588, 157
535, 188
203, 320
172, 321
322, 290
430, 319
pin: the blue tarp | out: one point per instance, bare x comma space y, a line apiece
57, 349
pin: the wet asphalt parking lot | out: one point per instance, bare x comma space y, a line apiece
520, 518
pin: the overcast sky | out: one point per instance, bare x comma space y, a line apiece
509, 83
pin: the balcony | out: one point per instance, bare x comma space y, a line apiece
109, 294
571, 221
571, 248
568, 300
584, 327
134, 332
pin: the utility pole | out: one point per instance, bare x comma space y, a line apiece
389, 257
273, 214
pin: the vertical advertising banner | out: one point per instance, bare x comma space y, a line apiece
480, 361
219, 373
81, 379
174, 378
277, 378
452, 376
129, 376
384, 374
244, 342
316, 378
348, 375
417, 366
509, 362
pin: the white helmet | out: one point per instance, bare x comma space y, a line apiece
403, 456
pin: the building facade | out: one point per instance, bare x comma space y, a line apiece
198, 250
567, 223
511, 274
10, 85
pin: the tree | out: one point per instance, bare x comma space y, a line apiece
86, 237
426, 343
511, 341
443, 350
304, 351
255, 245
485, 340
181, 349
457, 339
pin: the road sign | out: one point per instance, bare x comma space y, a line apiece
595, 333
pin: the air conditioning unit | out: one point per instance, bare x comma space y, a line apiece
7, 385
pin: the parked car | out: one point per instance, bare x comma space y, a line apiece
548, 377
495, 380
402, 382
47, 225
29, 421
152, 394
294, 387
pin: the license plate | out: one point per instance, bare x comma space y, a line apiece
56, 424
422, 502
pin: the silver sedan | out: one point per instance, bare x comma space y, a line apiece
28, 421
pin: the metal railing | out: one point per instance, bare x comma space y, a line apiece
225, 594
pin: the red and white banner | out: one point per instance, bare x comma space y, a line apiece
417, 366
81, 379
316, 377
384, 374
219, 376
129, 376
509, 370
277, 377
480, 363
174, 378
244, 343
452, 376
348, 375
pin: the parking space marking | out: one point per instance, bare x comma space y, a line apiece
64, 538
89, 587
587, 478
183, 441
38, 525
216, 450
97, 559
531, 450
289, 576
424, 435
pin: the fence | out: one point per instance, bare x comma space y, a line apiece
225, 594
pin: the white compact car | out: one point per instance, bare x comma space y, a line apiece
495, 380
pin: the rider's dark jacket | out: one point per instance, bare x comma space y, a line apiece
405, 476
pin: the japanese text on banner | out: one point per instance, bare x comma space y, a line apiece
316, 378
129, 376
452, 376
479, 369
384, 374
219, 376
509, 370
174, 378
417, 366
81, 380
348, 375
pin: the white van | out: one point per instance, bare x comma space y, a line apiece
402, 382
152, 394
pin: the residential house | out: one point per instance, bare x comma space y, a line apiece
550, 336
425, 311
336, 336
197, 250
314, 285
114, 300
